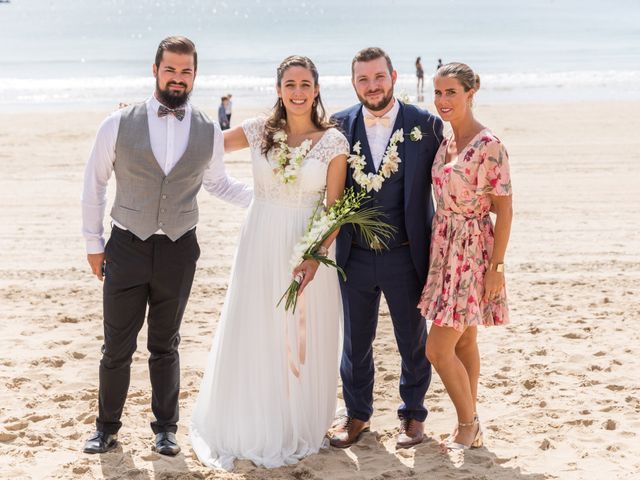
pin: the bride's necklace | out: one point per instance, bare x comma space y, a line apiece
288, 160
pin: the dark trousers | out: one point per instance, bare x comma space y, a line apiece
369, 274
156, 272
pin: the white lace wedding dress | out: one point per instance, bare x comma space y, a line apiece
269, 389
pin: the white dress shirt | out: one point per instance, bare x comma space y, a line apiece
169, 139
378, 135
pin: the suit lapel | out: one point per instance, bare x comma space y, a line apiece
411, 152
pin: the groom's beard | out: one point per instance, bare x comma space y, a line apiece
381, 105
170, 98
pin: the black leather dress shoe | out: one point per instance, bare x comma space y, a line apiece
101, 442
166, 444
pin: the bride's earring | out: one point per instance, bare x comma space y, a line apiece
315, 102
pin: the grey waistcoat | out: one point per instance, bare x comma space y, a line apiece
146, 198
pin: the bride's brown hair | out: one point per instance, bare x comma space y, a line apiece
277, 119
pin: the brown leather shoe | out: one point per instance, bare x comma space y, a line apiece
348, 433
411, 433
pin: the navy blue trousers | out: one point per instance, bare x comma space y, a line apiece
370, 274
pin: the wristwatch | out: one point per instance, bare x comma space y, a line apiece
497, 267
322, 251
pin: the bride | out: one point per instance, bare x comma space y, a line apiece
269, 389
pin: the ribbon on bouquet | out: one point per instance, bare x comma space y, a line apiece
300, 317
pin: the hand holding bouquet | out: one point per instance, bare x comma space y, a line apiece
323, 223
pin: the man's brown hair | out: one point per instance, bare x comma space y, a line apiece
177, 44
368, 54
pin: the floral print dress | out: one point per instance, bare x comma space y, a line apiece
462, 234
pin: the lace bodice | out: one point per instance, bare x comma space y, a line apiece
310, 185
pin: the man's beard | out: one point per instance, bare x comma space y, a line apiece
172, 99
376, 107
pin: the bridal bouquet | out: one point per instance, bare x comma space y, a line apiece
346, 210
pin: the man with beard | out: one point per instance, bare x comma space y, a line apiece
161, 151
401, 190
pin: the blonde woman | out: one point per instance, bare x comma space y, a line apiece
465, 285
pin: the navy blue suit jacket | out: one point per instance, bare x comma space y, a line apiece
418, 159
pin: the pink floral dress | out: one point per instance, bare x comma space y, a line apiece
462, 234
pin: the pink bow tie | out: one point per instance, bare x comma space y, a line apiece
370, 121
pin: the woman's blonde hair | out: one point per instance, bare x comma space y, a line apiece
461, 72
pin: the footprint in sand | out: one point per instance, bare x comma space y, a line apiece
80, 469
7, 436
86, 418
68, 423
55, 362
574, 336
66, 319
151, 457
89, 395
17, 382
64, 397
17, 426
37, 418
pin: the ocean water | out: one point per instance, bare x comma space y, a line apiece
73, 54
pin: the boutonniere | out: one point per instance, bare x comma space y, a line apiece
390, 161
416, 134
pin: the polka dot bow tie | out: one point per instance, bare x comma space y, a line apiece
176, 112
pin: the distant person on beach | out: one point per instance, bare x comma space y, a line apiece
223, 119
374, 127
228, 108
166, 149
439, 64
268, 392
420, 75
465, 286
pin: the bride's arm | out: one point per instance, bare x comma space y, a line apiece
235, 139
336, 177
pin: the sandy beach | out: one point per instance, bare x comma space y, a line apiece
559, 392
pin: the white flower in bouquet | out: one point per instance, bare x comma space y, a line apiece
322, 224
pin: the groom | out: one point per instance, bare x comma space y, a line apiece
161, 151
404, 199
